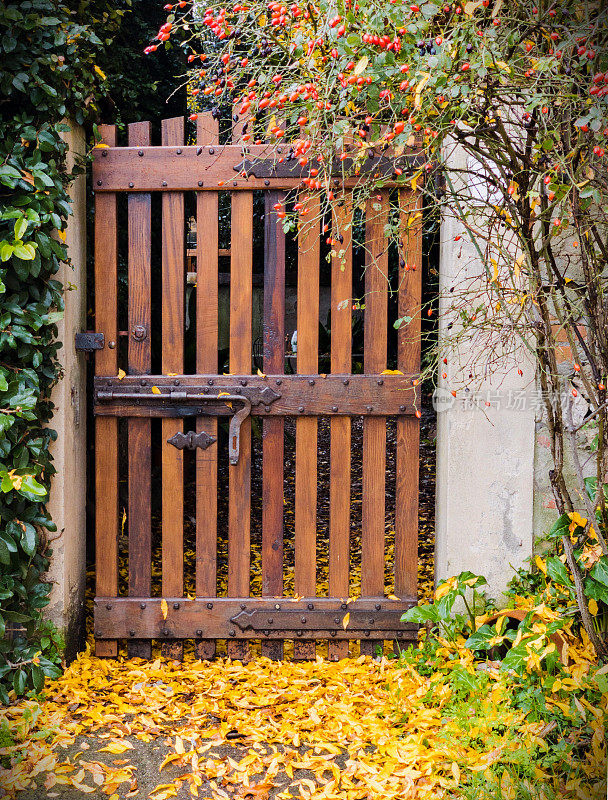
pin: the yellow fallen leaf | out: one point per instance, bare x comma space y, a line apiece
346, 620
164, 607
100, 72
261, 374
155, 390
593, 607
121, 374
116, 748
391, 372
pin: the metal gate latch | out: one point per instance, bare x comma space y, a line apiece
191, 440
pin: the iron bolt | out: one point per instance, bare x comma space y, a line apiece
303, 620
266, 183
369, 409
301, 409
131, 633
232, 632
200, 183
310, 606
144, 382
266, 633
266, 409
334, 408
401, 408
165, 631
243, 606
140, 152
209, 605
142, 605
176, 383
108, 606
346, 381
333, 633
104, 153
179, 151
210, 381
380, 381
277, 606
300, 633
199, 632
211, 151
98, 634
131, 184
372, 621
337, 620
270, 620
279, 381
343, 606
377, 606
243, 383
164, 183
99, 183
176, 606
311, 382
367, 633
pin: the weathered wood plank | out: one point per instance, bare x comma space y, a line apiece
172, 359
273, 429
139, 363
309, 253
340, 428
374, 430
192, 168
239, 481
408, 430
106, 430
215, 617
207, 234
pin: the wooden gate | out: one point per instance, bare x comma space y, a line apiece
141, 374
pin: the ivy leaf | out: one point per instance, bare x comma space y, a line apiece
557, 571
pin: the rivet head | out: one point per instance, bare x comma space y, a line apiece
243, 606
372, 621
301, 409
270, 620
179, 151
279, 381
165, 631
176, 606
336, 620
346, 381
99, 183
380, 381
367, 633
131, 633
266, 183
277, 606
311, 382
164, 183
104, 153
199, 632
310, 606
210, 381
378, 607
369, 409
209, 606
334, 409
108, 606
140, 152
112, 345
343, 606
200, 183
232, 632
300, 633
176, 383
144, 382
401, 408
131, 184
211, 151
333, 633
142, 606
243, 383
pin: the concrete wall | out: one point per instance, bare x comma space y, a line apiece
68, 491
485, 453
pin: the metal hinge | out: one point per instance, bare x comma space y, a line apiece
89, 341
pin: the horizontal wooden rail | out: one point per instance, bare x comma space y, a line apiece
251, 618
271, 395
231, 167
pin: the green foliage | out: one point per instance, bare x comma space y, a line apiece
47, 73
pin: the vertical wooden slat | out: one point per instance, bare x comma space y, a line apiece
207, 214
408, 429
340, 427
237, 127
309, 250
239, 481
273, 429
374, 428
139, 363
172, 360
106, 428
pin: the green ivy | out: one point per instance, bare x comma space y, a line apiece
47, 73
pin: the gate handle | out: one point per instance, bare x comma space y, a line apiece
234, 430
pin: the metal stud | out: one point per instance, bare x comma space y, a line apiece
176, 606
401, 408
301, 409
108, 606
300, 633
210, 606
334, 409
179, 151
211, 151
377, 606
279, 381
199, 632
270, 620
131, 184
243, 383
345, 381
200, 183
367, 633
99, 183
140, 152
142, 605
369, 409
311, 382
104, 153
131, 633
303, 620
199, 150
232, 632
277, 606
164, 183
266, 183
380, 381
243, 606
310, 606
267, 409
112, 345
165, 631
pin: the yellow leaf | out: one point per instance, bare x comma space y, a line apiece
121, 374
593, 608
541, 564
116, 748
346, 620
261, 374
164, 607
100, 72
391, 372
456, 772
155, 390
102, 144
361, 65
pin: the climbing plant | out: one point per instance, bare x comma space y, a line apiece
48, 73
508, 103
